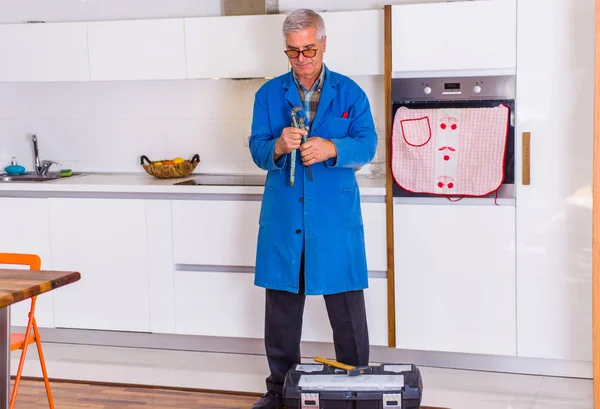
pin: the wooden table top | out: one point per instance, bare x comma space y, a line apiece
19, 285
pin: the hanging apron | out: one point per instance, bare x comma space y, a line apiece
450, 151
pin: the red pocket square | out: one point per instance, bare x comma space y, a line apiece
345, 115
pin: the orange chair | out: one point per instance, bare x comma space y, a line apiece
31, 335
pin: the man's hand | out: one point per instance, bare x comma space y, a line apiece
317, 149
288, 141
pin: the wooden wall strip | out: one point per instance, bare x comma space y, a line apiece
596, 219
388, 177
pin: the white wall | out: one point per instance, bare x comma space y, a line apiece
106, 126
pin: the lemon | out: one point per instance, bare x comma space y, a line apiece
157, 163
178, 160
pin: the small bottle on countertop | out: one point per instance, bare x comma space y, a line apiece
14, 168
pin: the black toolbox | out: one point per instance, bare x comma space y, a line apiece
318, 386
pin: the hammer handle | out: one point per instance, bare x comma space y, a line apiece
335, 364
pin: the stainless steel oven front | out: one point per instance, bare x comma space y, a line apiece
460, 92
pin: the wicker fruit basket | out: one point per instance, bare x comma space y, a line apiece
168, 169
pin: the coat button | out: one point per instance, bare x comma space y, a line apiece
301, 200
298, 231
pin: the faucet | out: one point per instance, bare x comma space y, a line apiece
41, 167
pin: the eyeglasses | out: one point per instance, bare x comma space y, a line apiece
309, 53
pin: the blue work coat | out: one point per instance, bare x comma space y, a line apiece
322, 217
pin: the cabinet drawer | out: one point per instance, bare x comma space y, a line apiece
316, 321
215, 232
228, 304
374, 221
220, 304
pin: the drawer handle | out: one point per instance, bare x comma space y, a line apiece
526, 158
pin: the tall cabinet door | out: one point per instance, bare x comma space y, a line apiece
106, 241
24, 222
555, 69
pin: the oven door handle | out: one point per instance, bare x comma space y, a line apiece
526, 154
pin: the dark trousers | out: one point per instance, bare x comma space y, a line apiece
283, 330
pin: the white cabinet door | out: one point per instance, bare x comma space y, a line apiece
160, 266
43, 52
136, 50
374, 221
215, 232
316, 326
235, 46
224, 232
455, 278
355, 42
220, 304
25, 230
460, 35
228, 304
105, 240
554, 213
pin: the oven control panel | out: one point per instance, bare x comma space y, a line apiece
455, 88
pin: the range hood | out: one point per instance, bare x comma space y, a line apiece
250, 7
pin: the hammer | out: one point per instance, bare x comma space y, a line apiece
350, 370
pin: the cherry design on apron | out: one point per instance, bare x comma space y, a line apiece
447, 152
449, 123
447, 181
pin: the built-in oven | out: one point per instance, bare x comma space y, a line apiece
460, 92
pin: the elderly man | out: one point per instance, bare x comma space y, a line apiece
311, 239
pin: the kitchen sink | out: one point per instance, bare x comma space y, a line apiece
33, 177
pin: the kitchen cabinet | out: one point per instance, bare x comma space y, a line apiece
225, 232
455, 278
228, 304
219, 303
354, 42
25, 229
215, 232
160, 266
105, 240
316, 326
252, 46
555, 74
374, 223
235, 46
44, 52
460, 35
136, 50
213, 296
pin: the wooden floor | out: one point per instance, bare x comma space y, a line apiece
32, 395
78, 395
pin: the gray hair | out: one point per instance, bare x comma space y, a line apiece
302, 19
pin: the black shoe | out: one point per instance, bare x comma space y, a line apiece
269, 400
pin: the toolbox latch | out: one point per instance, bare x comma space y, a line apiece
392, 400
310, 401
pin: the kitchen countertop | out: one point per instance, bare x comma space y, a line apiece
144, 184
